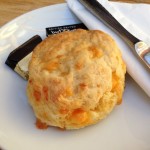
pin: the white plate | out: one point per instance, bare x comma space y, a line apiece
127, 127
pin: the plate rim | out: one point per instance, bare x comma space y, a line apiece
15, 19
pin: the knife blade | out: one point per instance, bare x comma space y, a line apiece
140, 47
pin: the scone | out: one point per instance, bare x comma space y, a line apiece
75, 79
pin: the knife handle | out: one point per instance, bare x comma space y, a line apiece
101, 13
143, 51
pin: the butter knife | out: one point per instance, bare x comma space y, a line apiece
140, 47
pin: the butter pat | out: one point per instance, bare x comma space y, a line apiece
19, 58
22, 66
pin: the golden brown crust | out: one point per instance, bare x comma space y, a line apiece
75, 78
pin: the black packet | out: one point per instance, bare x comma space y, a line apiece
59, 29
23, 50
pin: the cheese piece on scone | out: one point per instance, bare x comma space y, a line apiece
75, 78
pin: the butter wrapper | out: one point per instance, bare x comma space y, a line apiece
59, 29
19, 58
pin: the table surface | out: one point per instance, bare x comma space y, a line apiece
10, 9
